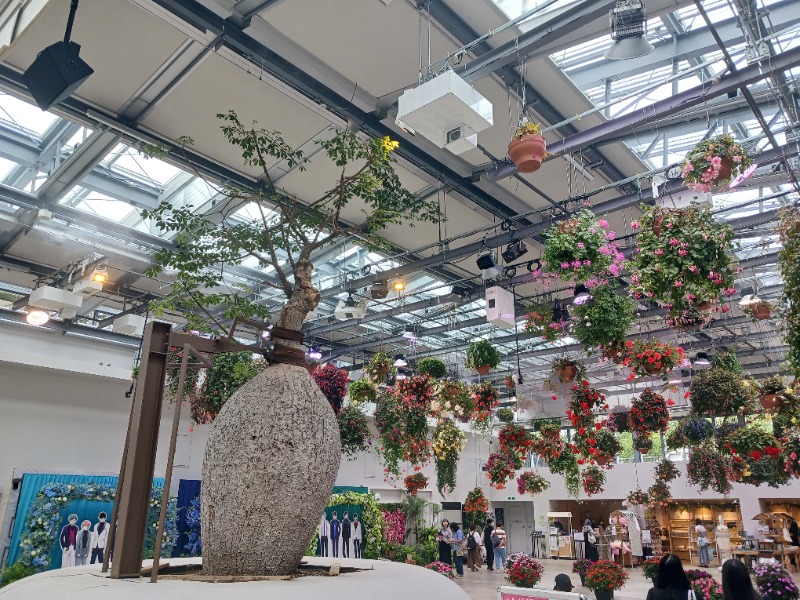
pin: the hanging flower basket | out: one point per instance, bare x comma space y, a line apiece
528, 148
483, 369
759, 310
713, 162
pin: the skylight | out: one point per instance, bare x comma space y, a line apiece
24, 117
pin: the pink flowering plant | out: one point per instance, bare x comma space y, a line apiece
684, 259
440, 567
714, 161
332, 382
581, 249
394, 526
532, 483
706, 588
775, 583
539, 321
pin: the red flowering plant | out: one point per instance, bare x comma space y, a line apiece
514, 438
415, 483
525, 572
708, 468
791, 451
500, 468
592, 479
638, 498
546, 446
581, 408
332, 382
666, 471
659, 493
532, 483
484, 400
597, 445
403, 429
649, 413
539, 321
618, 419
353, 431
452, 399
475, 508
581, 567
605, 575
757, 456
651, 357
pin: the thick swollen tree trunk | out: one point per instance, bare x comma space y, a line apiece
270, 464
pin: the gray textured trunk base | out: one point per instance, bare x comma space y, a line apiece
270, 464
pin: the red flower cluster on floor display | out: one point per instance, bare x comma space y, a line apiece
525, 572
332, 382
649, 413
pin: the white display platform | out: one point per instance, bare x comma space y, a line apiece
385, 580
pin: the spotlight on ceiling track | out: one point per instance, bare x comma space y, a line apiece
400, 360
560, 314
582, 295
100, 275
398, 285
534, 265
314, 353
36, 316
701, 360
488, 264
57, 71
628, 27
514, 250
379, 290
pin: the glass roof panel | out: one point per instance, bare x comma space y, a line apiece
24, 117
515, 8
99, 204
128, 161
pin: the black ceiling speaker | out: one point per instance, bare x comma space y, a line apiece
57, 71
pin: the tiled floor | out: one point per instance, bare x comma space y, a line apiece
483, 584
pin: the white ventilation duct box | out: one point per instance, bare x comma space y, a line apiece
680, 199
87, 287
129, 325
53, 298
447, 111
500, 307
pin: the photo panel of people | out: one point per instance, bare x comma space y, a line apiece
341, 532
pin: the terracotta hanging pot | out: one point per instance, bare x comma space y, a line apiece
508, 381
483, 369
705, 305
651, 369
770, 401
527, 152
602, 460
657, 224
761, 312
567, 373
725, 169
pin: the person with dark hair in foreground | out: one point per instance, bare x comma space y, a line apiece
563, 583
736, 582
670, 582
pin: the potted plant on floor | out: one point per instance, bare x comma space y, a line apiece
775, 583
603, 577
482, 356
714, 162
580, 567
524, 572
528, 148
650, 568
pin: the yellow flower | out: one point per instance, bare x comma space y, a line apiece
389, 144
789, 391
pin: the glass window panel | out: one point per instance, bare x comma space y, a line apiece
25, 117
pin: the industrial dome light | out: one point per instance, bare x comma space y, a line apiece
628, 27
582, 295
37, 316
701, 360
100, 275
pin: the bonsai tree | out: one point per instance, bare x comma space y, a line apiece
482, 356
281, 408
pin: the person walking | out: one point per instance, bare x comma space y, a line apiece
670, 582
459, 544
736, 582
443, 537
473, 549
499, 543
487, 544
702, 543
